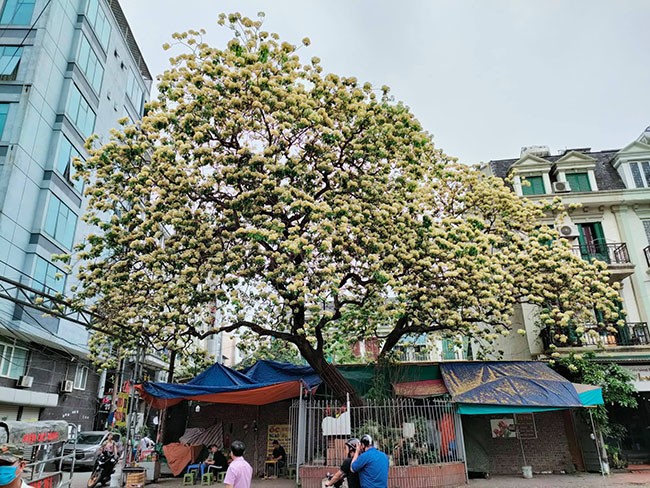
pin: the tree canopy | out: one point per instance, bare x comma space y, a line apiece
307, 207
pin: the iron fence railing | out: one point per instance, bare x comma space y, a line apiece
410, 355
630, 334
410, 432
646, 251
611, 253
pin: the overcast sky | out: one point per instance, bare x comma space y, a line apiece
484, 77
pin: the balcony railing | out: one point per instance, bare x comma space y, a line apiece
611, 253
646, 251
630, 334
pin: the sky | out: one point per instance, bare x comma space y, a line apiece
484, 77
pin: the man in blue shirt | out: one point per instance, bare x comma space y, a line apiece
371, 464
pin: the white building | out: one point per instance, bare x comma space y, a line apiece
611, 224
68, 69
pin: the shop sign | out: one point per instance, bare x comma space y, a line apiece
526, 428
641, 376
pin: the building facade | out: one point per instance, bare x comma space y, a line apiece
608, 193
68, 69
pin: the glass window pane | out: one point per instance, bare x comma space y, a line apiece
51, 216
45, 278
63, 157
90, 64
18, 363
60, 222
6, 361
645, 165
99, 22
80, 112
4, 110
636, 174
646, 227
2, 356
17, 12
9, 59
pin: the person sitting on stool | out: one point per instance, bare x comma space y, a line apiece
215, 461
279, 455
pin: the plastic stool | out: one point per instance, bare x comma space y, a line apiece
206, 479
291, 472
220, 476
188, 478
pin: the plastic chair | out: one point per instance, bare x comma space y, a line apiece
194, 467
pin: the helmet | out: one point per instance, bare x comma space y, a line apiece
352, 443
366, 440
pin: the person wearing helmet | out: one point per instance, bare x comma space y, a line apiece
371, 464
345, 472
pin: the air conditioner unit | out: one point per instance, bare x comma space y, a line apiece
67, 386
561, 187
568, 230
25, 382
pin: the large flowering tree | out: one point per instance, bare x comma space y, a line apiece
306, 207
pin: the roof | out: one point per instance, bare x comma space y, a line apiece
131, 43
271, 382
513, 386
606, 176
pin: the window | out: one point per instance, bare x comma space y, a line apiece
80, 377
592, 242
80, 112
646, 227
535, 185
641, 174
17, 12
578, 181
64, 156
98, 20
4, 110
9, 60
60, 222
90, 65
134, 92
48, 277
13, 361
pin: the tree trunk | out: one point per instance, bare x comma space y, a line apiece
332, 377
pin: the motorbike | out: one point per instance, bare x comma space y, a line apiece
102, 470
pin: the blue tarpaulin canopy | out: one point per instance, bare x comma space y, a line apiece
265, 382
511, 387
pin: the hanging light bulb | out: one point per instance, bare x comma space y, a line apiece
197, 409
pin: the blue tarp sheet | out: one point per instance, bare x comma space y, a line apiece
273, 371
265, 382
507, 387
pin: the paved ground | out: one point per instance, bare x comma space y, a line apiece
582, 480
587, 480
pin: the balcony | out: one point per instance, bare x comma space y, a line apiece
615, 254
630, 334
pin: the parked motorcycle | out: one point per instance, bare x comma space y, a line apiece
102, 471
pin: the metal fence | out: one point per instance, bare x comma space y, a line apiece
410, 432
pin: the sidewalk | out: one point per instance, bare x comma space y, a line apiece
257, 482
579, 480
